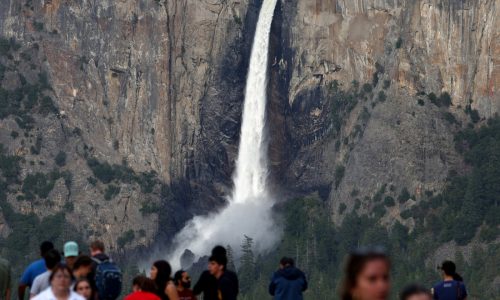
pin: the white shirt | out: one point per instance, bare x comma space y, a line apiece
49, 295
40, 284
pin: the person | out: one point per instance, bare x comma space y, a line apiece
33, 270
366, 275
183, 284
83, 287
82, 267
5, 279
207, 284
42, 282
71, 252
60, 285
105, 273
288, 283
415, 292
160, 273
143, 289
452, 286
227, 282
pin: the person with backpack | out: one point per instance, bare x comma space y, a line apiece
33, 270
452, 286
288, 283
106, 274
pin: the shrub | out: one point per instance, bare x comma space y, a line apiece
420, 102
404, 195
450, 118
434, 99
38, 26
126, 238
387, 84
381, 96
445, 99
399, 43
37, 184
389, 201
92, 180
111, 192
4, 46
149, 208
339, 174
367, 88
14, 134
60, 158
342, 208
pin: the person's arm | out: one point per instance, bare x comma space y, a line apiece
21, 290
199, 287
272, 286
305, 284
171, 291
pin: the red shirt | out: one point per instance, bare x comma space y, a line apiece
186, 294
142, 296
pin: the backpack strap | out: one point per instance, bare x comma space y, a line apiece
98, 261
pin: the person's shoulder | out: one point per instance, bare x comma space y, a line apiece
46, 294
75, 296
39, 263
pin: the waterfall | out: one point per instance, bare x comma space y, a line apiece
249, 208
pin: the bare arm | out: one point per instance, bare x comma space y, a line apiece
171, 292
7, 294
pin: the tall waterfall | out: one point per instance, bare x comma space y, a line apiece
249, 209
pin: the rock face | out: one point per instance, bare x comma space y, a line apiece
157, 85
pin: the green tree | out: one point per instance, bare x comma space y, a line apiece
247, 268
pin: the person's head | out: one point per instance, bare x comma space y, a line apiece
83, 288
219, 250
52, 258
449, 270
71, 252
415, 292
366, 276
96, 247
82, 266
61, 278
286, 262
137, 282
160, 273
182, 279
217, 265
45, 247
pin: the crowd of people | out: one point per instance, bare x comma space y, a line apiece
71, 275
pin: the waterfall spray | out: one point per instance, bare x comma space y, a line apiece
249, 209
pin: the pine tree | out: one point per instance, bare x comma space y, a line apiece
230, 258
247, 267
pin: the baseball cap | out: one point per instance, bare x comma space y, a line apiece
70, 249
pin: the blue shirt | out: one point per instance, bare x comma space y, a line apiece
33, 270
450, 290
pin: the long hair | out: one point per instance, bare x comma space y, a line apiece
355, 264
163, 275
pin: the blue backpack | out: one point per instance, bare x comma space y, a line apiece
108, 280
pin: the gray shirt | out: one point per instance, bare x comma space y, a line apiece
40, 284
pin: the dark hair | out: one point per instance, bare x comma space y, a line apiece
45, 247
356, 262
178, 276
163, 276
97, 245
219, 251
82, 260
449, 268
60, 268
220, 259
145, 284
80, 280
287, 261
414, 289
52, 258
